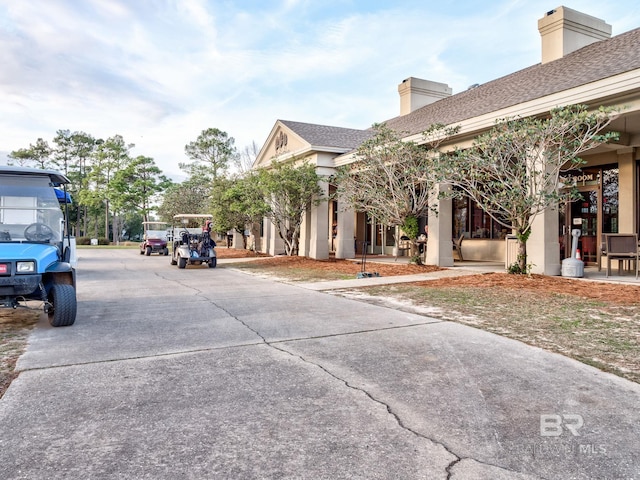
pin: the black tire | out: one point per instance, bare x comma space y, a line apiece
62, 312
141, 252
148, 251
182, 262
165, 251
213, 262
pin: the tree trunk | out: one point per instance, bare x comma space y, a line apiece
106, 220
522, 255
522, 235
414, 253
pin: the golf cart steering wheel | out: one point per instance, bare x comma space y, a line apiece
38, 232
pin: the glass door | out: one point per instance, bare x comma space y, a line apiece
582, 214
595, 213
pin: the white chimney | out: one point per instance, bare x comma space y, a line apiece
564, 30
416, 93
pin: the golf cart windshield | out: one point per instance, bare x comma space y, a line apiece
157, 230
29, 210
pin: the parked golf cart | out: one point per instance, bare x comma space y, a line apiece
37, 257
154, 239
192, 242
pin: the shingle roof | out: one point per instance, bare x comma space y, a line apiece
327, 136
589, 64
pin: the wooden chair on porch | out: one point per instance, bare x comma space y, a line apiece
602, 250
404, 246
622, 247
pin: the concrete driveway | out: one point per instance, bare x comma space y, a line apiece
212, 373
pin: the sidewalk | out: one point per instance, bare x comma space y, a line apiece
459, 269
374, 281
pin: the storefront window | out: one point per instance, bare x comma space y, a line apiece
470, 219
610, 188
460, 213
390, 236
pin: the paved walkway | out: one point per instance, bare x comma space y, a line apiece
459, 269
388, 280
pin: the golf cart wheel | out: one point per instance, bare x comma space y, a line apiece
213, 262
148, 251
62, 312
165, 251
141, 252
182, 262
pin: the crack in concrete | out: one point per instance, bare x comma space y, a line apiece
387, 407
450, 466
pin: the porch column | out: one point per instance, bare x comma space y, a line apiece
439, 242
543, 246
274, 244
265, 240
345, 243
238, 242
626, 190
319, 227
305, 235
255, 240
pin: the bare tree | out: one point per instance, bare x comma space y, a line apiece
246, 157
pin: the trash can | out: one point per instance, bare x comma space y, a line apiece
572, 267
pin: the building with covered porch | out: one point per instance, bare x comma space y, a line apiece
580, 64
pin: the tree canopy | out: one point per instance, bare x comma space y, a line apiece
238, 202
210, 154
513, 170
289, 190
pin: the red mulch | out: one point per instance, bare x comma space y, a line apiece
622, 294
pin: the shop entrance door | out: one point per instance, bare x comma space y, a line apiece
583, 215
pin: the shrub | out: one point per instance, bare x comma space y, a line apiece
410, 227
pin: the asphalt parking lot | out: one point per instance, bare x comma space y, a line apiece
213, 373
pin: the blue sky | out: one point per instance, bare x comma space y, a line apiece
158, 72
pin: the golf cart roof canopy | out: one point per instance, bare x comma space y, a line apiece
193, 215
56, 177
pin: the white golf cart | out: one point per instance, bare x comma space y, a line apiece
192, 242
